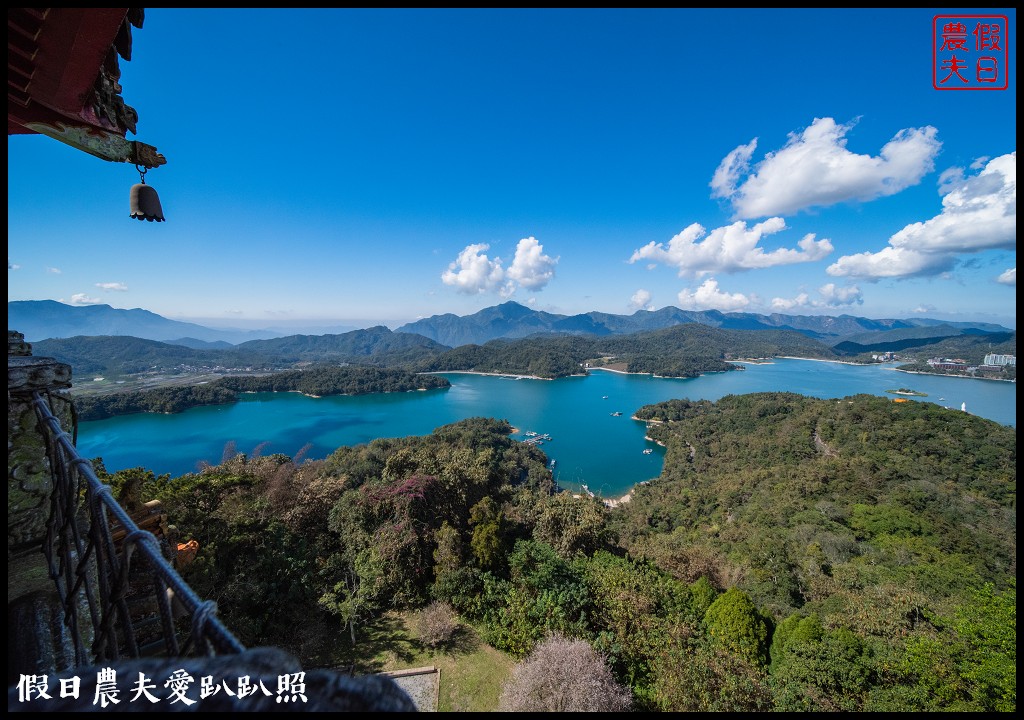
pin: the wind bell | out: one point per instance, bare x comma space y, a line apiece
144, 202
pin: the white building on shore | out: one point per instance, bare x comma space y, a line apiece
1001, 359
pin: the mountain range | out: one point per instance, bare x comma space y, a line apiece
512, 320
42, 319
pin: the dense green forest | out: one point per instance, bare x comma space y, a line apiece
681, 351
322, 380
373, 346
117, 355
122, 355
546, 357
795, 553
315, 380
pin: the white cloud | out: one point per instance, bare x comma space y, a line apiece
1009, 277
950, 179
978, 213
53, 270
473, 273
112, 286
734, 165
729, 249
800, 301
831, 296
814, 169
921, 309
13, 266
890, 262
708, 297
83, 299
531, 268
641, 300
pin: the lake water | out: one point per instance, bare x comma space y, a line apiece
589, 444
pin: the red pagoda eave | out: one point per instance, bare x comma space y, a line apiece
63, 79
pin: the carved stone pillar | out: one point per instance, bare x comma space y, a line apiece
32, 606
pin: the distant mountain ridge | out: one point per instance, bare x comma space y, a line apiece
512, 320
46, 319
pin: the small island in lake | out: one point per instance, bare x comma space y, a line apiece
908, 391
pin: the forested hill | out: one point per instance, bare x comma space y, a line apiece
680, 351
377, 342
123, 355
795, 554
971, 346
664, 352
316, 381
862, 510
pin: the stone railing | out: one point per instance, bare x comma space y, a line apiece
104, 564
101, 589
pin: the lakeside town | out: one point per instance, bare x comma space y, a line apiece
994, 367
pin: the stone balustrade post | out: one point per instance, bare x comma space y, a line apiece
33, 608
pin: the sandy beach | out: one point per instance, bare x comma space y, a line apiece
838, 362
615, 502
620, 372
491, 374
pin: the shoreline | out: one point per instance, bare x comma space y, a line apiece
665, 377
607, 502
963, 377
838, 362
490, 374
895, 370
615, 502
620, 372
611, 502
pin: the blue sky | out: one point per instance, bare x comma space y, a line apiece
337, 166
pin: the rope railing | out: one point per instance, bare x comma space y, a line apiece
121, 598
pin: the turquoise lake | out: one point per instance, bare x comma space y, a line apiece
589, 444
